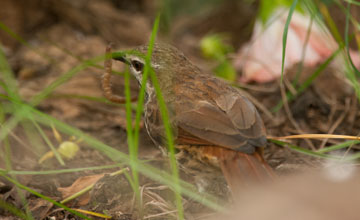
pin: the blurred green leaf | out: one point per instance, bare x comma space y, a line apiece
353, 2
19, 185
214, 47
226, 70
267, 8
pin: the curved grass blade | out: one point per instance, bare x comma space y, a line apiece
286, 28
49, 143
49, 172
42, 196
303, 150
338, 146
353, 2
23, 42
15, 211
36, 99
347, 41
309, 80
331, 24
166, 121
117, 156
9, 84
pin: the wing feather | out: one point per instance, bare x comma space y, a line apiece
231, 121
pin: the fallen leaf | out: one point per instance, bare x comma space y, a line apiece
78, 185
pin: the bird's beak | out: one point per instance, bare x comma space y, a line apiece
121, 58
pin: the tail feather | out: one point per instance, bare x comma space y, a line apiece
241, 169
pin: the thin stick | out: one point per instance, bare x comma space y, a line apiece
106, 78
316, 136
290, 116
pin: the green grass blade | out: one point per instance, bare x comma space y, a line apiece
303, 52
10, 83
18, 38
36, 99
331, 24
15, 211
338, 146
304, 151
134, 186
49, 172
286, 28
170, 143
317, 72
148, 71
117, 156
42, 196
49, 143
89, 98
352, 72
321, 153
308, 81
347, 37
144, 80
166, 121
133, 148
11, 123
352, 157
353, 2
8, 165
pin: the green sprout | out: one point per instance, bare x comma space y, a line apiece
214, 47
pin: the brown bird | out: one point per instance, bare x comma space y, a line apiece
212, 122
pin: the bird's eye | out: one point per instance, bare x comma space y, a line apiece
137, 65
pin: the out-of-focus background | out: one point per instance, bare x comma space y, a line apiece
50, 60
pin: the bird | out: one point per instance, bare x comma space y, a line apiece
212, 122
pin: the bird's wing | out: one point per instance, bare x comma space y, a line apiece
232, 122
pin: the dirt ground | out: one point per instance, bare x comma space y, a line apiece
60, 34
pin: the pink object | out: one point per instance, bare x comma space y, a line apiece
260, 60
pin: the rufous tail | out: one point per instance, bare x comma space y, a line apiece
241, 169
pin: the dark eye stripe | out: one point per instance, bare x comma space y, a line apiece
137, 65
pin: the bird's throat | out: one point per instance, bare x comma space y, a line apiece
149, 92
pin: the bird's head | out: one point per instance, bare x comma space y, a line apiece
166, 61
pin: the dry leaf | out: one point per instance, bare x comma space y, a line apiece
78, 185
